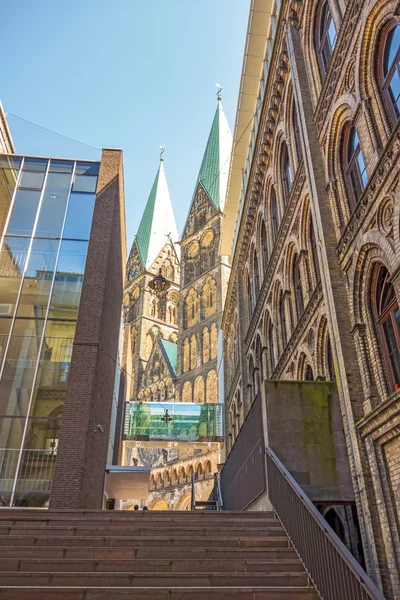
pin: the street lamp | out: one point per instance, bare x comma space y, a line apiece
159, 284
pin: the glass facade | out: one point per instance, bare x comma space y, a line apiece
189, 421
46, 209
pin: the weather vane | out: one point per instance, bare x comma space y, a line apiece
162, 150
219, 90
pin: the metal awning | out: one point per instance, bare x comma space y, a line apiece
123, 483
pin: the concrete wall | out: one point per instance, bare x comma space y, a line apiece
303, 426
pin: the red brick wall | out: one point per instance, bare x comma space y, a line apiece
82, 451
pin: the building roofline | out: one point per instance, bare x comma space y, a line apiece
256, 39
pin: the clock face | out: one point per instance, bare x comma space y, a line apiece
133, 272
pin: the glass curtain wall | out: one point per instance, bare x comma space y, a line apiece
46, 209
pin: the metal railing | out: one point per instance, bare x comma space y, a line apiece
334, 572
36, 470
218, 491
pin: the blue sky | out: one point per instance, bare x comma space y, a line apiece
123, 73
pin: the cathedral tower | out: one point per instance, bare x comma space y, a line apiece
204, 273
148, 317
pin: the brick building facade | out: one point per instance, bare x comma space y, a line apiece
314, 291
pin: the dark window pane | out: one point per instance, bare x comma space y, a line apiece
61, 166
38, 278
12, 262
79, 216
10, 162
394, 90
24, 212
83, 168
35, 164
85, 183
69, 279
53, 206
31, 179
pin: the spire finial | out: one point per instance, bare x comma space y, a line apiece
162, 150
219, 90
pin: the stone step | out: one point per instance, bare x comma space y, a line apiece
26, 522
149, 541
166, 565
137, 514
131, 553
154, 579
85, 531
204, 593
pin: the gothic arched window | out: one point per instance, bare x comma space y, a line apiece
296, 131
264, 245
286, 170
193, 351
212, 388
274, 214
256, 275
391, 71
353, 164
186, 355
325, 35
282, 316
199, 390
308, 375
298, 290
271, 352
387, 315
206, 345
213, 341
313, 246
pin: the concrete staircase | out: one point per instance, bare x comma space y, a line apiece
121, 555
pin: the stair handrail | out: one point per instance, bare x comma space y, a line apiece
217, 486
334, 572
193, 500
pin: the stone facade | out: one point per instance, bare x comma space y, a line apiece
316, 260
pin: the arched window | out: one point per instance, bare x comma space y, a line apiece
271, 351
187, 392
249, 295
354, 164
308, 375
256, 276
212, 388
296, 131
387, 314
298, 290
282, 316
206, 345
186, 355
264, 245
274, 214
325, 35
287, 177
391, 72
314, 254
214, 341
193, 351
329, 361
199, 390
191, 308
209, 296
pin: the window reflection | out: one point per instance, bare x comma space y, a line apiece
79, 216
69, 279
53, 206
85, 183
12, 263
24, 212
32, 180
38, 278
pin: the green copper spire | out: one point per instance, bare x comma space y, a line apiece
158, 221
214, 168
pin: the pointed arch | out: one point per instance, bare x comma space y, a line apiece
209, 296
206, 345
193, 351
198, 396
213, 341
212, 387
187, 392
186, 355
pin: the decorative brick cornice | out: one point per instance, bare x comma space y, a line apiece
332, 79
301, 327
297, 189
386, 162
384, 419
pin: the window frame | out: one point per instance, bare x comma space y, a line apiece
385, 80
351, 165
380, 319
322, 22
